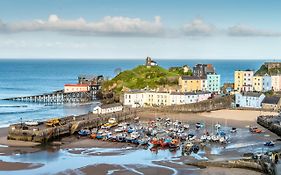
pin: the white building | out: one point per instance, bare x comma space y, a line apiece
68, 88
276, 82
151, 98
249, 99
109, 108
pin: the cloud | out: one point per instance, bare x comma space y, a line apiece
248, 31
109, 25
198, 27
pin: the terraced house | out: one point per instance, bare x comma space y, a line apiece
213, 82
243, 80
192, 83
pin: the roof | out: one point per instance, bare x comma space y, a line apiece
251, 94
189, 93
186, 77
78, 85
104, 106
271, 100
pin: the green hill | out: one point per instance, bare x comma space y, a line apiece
141, 77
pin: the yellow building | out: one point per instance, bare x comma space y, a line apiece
191, 83
257, 83
243, 80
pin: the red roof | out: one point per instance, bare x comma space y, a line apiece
77, 85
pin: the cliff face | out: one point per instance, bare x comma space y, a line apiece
269, 68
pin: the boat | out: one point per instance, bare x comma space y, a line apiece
111, 123
186, 126
233, 130
155, 142
198, 125
53, 122
31, 123
191, 137
84, 132
143, 141
165, 142
135, 135
217, 126
255, 130
186, 150
174, 143
269, 143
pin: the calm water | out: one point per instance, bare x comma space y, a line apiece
28, 77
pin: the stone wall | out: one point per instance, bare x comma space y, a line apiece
203, 106
271, 123
44, 134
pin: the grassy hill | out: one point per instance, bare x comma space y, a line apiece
141, 77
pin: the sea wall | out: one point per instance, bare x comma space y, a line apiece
203, 106
69, 125
271, 123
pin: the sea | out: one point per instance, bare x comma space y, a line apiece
22, 77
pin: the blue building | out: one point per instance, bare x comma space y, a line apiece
266, 83
249, 99
213, 82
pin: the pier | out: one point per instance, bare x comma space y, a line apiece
67, 126
56, 97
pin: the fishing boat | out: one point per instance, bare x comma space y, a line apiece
186, 126
191, 137
186, 150
233, 130
174, 143
255, 130
84, 132
155, 142
165, 142
31, 123
217, 126
198, 125
269, 143
143, 141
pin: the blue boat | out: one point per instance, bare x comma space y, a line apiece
84, 132
269, 143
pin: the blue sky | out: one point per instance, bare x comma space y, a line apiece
215, 29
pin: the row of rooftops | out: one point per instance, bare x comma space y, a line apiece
172, 93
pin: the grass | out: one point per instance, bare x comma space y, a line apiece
142, 77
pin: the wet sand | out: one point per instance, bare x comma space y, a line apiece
12, 166
234, 118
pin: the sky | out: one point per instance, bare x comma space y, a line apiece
183, 29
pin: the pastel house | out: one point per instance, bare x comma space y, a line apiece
249, 99
213, 82
266, 83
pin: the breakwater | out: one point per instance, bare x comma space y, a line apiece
271, 123
67, 126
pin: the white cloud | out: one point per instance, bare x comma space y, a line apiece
109, 25
198, 27
247, 31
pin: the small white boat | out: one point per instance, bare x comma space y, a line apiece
31, 123
217, 126
186, 126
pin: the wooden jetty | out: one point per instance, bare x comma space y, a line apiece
67, 126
